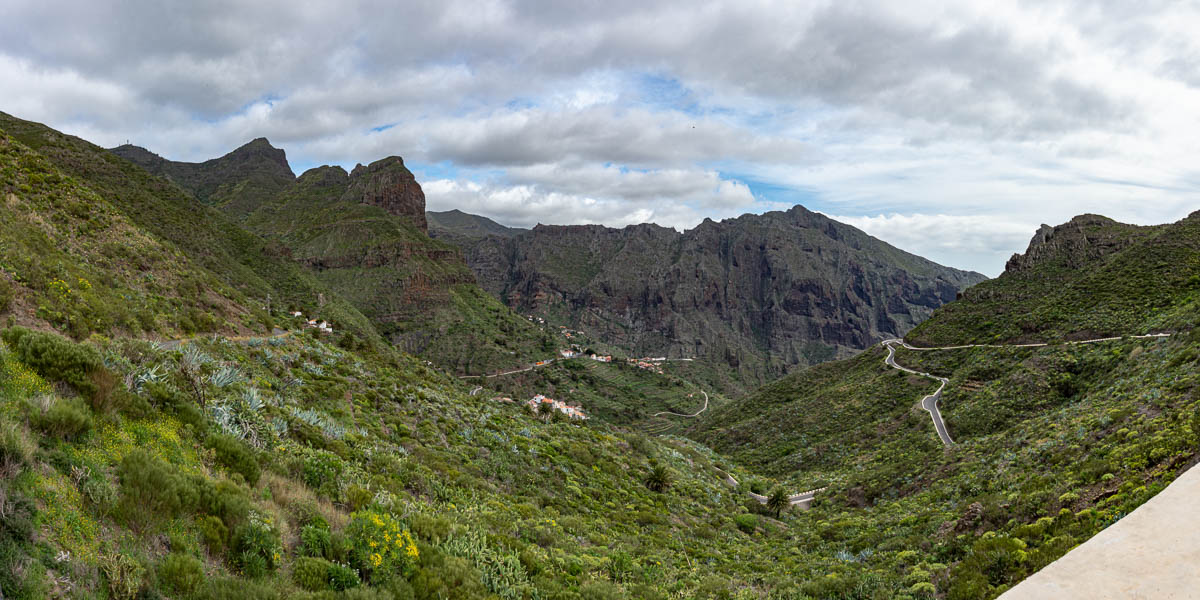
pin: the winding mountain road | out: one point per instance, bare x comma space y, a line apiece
695, 414
930, 402
804, 498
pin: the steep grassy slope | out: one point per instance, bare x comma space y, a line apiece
363, 235
247, 264
70, 259
759, 294
276, 468
453, 225
1090, 277
236, 183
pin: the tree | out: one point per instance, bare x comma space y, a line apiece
778, 502
659, 479
546, 410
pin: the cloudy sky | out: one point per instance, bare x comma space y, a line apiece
948, 129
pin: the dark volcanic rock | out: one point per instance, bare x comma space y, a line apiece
761, 293
388, 184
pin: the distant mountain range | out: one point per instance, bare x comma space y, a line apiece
755, 296
758, 294
363, 234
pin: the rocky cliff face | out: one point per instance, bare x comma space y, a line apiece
388, 184
1080, 241
760, 294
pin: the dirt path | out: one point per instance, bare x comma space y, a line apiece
277, 333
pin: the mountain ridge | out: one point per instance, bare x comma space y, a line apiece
780, 285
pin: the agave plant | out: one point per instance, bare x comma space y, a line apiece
225, 377
252, 399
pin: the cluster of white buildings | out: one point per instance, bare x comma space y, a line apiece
647, 363
322, 326
574, 412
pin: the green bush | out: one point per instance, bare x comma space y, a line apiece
380, 545
181, 574
235, 456
214, 533
315, 541
16, 447
257, 546
6, 294
311, 574
150, 486
55, 357
65, 419
323, 472
600, 590
342, 577
223, 499
746, 522
124, 574
236, 589
99, 492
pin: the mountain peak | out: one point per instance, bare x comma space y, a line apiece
1083, 239
388, 184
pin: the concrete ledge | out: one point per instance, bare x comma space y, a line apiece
1151, 554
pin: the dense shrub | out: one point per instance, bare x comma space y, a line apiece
150, 486
236, 589
16, 449
311, 574
323, 471
55, 357
440, 576
315, 541
746, 522
257, 546
380, 546
181, 574
214, 533
235, 456
66, 419
6, 294
124, 574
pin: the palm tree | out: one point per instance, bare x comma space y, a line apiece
659, 479
546, 410
778, 502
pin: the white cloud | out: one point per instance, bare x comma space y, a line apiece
977, 242
664, 109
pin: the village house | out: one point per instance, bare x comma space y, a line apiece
573, 412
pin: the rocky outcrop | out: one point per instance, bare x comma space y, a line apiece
388, 184
1072, 245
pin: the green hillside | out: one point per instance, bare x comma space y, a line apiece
1091, 277
1052, 443
91, 197
361, 235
